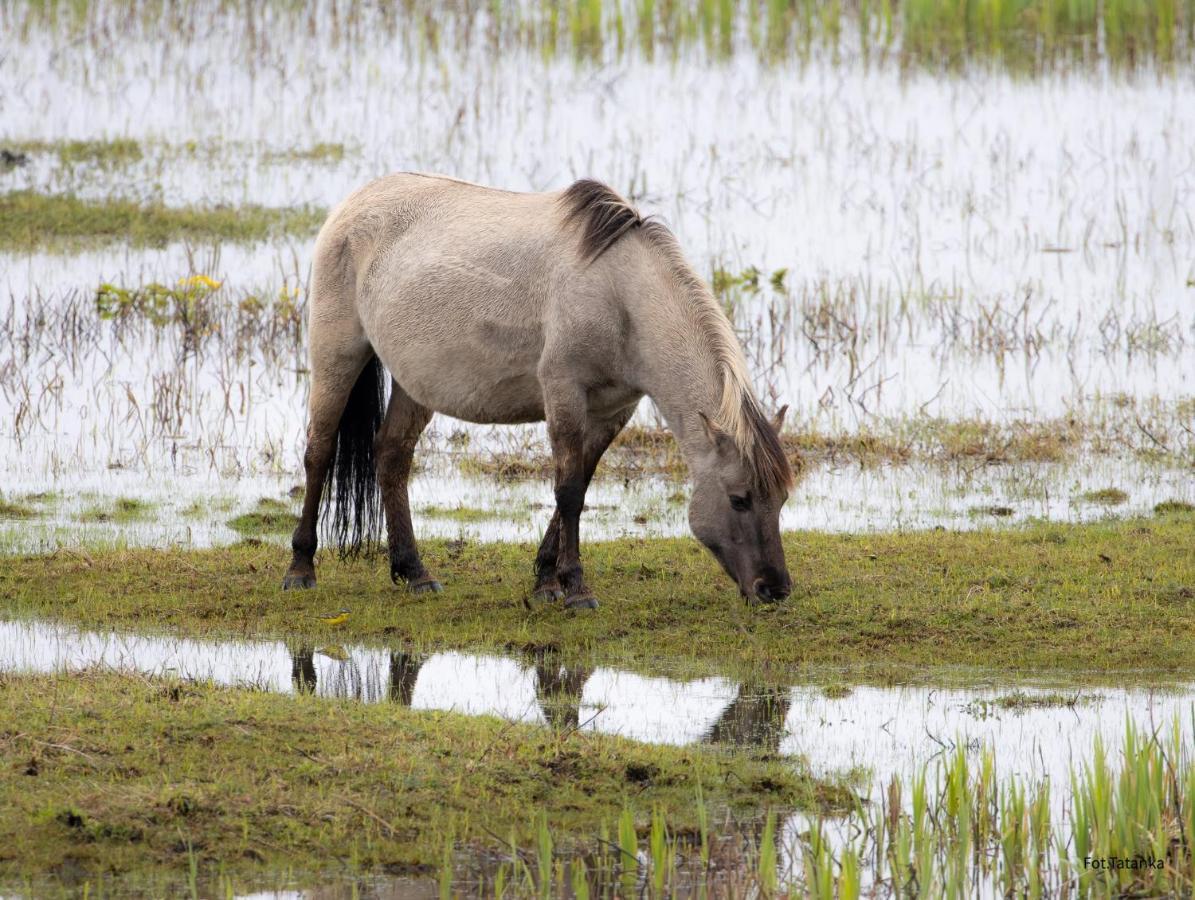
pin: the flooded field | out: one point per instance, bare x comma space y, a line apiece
1028, 734
899, 254
955, 238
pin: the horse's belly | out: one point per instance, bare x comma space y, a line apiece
470, 382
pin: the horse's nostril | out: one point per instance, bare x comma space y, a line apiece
770, 591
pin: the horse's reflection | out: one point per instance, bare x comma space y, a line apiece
558, 689
754, 719
346, 680
302, 670
404, 670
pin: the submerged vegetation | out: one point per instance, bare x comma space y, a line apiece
31, 220
1110, 595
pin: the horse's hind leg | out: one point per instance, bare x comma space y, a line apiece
394, 450
335, 368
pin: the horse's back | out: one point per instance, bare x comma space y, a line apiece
454, 285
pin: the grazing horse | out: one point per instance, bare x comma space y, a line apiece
500, 307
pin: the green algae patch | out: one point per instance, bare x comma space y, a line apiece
31, 220
1110, 596
115, 774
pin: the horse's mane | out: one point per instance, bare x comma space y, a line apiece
603, 217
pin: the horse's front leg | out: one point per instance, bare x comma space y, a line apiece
599, 434
566, 410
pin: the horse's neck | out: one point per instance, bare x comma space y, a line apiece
681, 373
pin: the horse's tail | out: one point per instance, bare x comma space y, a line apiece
351, 488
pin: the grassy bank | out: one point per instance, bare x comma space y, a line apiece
115, 774
30, 220
1109, 597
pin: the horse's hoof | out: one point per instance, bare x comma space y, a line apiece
548, 594
298, 582
581, 601
426, 585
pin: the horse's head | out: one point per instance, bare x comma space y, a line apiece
737, 516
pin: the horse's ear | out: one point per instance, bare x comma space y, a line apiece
718, 438
778, 420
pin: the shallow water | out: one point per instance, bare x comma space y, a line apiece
194, 510
941, 258
879, 731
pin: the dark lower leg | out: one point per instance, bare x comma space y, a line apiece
330, 389
546, 585
394, 452
597, 439
570, 498
316, 461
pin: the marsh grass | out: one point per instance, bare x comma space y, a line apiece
1025, 35
31, 220
104, 153
11, 509
1110, 595
268, 517
1109, 496
122, 510
464, 513
541, 812
261, 783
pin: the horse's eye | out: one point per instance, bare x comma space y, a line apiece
740, 504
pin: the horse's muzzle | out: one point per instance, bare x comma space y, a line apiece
771, 591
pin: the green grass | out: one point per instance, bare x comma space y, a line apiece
30, 220
464, 513
107, 153
1109, 496
322, 152
111, 774
1112, 596
12, 510
121, 511
268, 517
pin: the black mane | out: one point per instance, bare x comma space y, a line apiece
602, 214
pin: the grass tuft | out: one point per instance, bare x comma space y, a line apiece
121, 511
31, 220
268, 517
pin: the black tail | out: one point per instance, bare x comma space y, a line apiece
351, 488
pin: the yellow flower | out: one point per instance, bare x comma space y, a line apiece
200, 281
